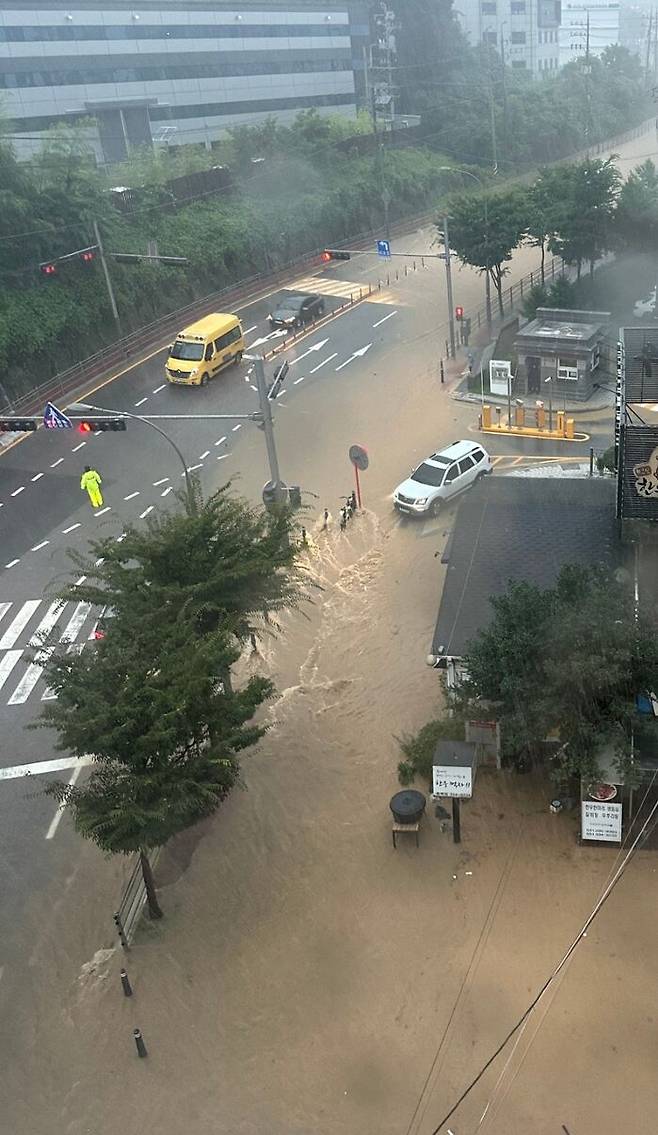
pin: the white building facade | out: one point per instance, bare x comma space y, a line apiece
588, 27
174, 71
524, 32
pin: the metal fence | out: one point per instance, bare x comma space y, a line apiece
131, 903
137, 346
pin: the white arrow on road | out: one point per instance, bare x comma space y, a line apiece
357, 355
315, 347
272, 335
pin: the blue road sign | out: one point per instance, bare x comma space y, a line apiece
54, 419
383, 248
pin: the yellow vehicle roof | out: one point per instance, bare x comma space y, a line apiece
208, 327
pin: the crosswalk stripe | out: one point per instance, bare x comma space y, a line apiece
4, 607
51, 616
74, 625
30, 677
74, 648
7, 664
19, 623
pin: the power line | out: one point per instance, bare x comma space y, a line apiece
558, 969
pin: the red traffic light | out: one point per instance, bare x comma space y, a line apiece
48, 268
85, 427
459, 313
87, 255
335, 254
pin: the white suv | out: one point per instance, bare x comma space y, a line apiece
441, 477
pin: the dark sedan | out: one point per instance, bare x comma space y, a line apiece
295, 311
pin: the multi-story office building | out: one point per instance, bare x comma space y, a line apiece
524, 32
588, 28
180, 72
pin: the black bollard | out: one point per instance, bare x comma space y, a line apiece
139, 1043
125, 984
303, 536
443, 377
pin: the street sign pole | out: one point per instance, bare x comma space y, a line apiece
359, 457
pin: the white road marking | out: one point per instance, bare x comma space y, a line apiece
99, 561
141, 401
327, 360
238, 427
162, 481
253, 387
79, 582
298, 380
17, 491
389, 316
12, 563
146, 511
52, 615
166, 492
71, 528
131, 496
77, 447
18, 623
192, 469
38, 767
61, 808
355, 355
315, 347
4, 607
56, 463
102, 511
250, 329
7, 663
221, 440
38, 547
159, 388
30, 677
37, 478
202, 456
74, 625
121, 538
74, 648
222, 456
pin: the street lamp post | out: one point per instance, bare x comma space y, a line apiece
189, 487
549, 383
487, 278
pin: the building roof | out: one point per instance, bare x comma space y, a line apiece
518, 528
578, 332
640, 369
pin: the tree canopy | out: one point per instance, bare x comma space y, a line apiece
566, 664
486, 228
153, 702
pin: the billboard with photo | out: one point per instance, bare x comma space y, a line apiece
638, 473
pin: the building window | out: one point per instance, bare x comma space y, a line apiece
490, 37
518, 64
518, 37
488, 8
517, 7
567, 370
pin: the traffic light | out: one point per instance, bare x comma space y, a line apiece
335, 254
277, 380
459, 313
48, 268
17, 425
87, 255
100, 425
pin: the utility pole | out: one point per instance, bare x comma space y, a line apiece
379, 158
648, 55
451, 310
108, 281
266, 423
492, 108
504, 85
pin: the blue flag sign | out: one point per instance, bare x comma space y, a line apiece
383, 248
54, 419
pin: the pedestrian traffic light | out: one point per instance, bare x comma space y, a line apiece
100, 425
459, 312
17, 425
335, 254
48, 268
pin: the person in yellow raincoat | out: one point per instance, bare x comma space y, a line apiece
91, 481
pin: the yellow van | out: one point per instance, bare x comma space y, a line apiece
204, 348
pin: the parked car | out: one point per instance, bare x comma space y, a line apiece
645, 307
441, 476
295, 311
105, 617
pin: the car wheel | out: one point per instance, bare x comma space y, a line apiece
321, 309
479, 476
238, 358
435, 507
204, 380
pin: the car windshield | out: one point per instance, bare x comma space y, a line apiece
428, 475
284, 313
191, 351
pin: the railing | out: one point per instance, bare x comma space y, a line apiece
134, 348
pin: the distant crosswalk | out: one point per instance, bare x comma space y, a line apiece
343, 289
29, 632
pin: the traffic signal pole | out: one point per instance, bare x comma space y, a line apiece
451, 310
266, 422
108, 279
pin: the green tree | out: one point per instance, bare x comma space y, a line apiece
566, 663
543, 207
584, 225
154, 703
636, 219
485, 230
